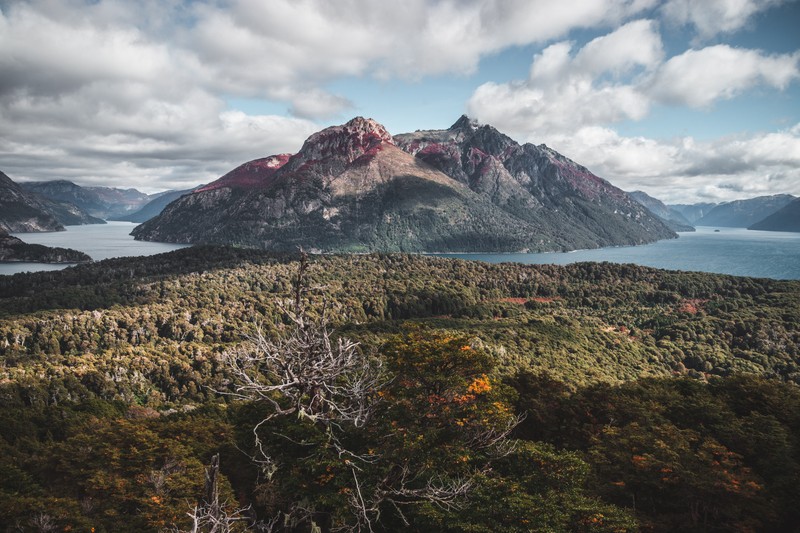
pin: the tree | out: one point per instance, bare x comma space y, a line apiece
211, 516
353, 447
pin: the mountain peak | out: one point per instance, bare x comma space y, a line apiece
358, 137
465, 123
368, 125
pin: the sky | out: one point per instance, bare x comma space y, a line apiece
688, 100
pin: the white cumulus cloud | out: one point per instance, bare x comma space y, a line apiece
712, 17
566, 90
698, 78
685, 170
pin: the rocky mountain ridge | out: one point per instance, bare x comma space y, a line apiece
536, 184
354, 187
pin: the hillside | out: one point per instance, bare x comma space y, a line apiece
351, 188
744, 213
536, 184
154, 207
785, 219
636, 384
104, 203
693, 212
13, 249
24, 211
671, 217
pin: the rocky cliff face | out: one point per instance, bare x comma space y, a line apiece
356, 188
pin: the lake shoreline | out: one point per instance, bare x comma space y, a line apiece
732, 251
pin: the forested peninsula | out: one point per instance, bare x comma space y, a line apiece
444, 395
14, 250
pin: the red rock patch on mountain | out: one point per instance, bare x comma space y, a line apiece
255, 173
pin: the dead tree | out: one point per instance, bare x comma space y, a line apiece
332, 383
210, 515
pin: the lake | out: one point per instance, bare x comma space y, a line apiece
736, 251
100, 241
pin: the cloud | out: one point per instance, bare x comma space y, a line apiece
256, 48
134, 91
684, 170
84, 95
712, 17
572, 98
565, 90
620, 76
698, 78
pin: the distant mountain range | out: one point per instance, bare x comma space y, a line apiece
22, 210
692, 212
671, 217
786, 218
154, 206
744, 213
51, 205
102, 202
354, 187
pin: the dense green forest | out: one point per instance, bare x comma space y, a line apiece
591, 397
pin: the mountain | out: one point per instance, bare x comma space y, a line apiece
349, 188
785, 219
692, 212
538, 185
744, 213
154, 207
23, 211
352, 188
103, 202
672, 218
253, 174
13, 249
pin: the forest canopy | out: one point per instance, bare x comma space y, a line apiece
628, 398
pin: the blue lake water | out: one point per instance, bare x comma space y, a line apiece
736, 251
100, 241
